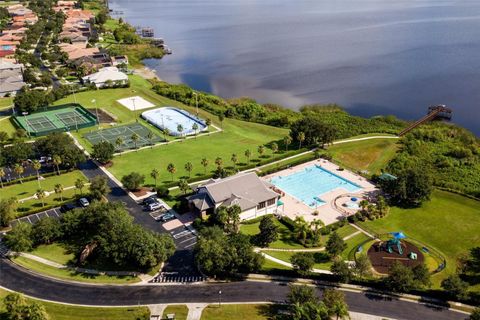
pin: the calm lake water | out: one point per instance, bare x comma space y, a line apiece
370, 56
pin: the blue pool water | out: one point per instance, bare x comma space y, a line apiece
311, 183
170, 118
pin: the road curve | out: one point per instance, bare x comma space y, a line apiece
18, 279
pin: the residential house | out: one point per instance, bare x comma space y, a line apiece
119, 60
254, 196
105, 75
76, 51
11, 77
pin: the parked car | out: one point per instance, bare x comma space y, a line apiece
150, 200
83, 202
67, 207
154, 206
167, 216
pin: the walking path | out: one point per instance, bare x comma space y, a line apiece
48, 193
363, 231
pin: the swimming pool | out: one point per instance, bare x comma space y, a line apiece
309, 184
170, 118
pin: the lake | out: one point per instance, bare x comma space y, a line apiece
370, 56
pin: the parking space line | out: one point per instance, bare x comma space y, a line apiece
191, 245
181, 234
189, 239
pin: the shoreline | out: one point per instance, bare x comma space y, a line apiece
146, 73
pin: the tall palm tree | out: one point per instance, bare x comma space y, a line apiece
221, 117
195, 129
37, 166
248, 154
204, 163
171, 168
79, 184
19, 170
189, 168
57, 161
274, 147
166, 132
300, 138
135, 137
301, 229
150, 137
234, 160
208, 122
59, 190
180, 129
183, 186
119, 143
287, 141
2, 174
316, 225
219, 162
155, 174
40, 194
261, 151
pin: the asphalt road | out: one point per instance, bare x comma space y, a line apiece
16, 278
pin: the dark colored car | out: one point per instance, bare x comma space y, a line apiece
149, 200
67, 207
167, 216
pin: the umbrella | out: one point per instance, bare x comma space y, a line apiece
398, 235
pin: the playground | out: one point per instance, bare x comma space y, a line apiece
383, 254
55, 119
125, 133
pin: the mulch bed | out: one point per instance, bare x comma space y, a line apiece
141, 192
382, 260
103, 116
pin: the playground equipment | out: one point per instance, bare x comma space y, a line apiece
412, 256
395, 242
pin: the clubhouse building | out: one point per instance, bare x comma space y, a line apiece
254, 196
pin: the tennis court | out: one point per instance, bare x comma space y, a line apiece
125, 134
56, 119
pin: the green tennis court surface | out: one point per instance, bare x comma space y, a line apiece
56, 119
125, 133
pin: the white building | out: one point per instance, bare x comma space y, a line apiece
246, 190
11, 77
106, 75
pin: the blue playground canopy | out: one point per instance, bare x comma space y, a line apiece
398, 235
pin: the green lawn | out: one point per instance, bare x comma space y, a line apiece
238, 137
5, 103
180, 311
67, 312
54, 252
322, 261
448, 223
71, 275
371, 155
240, 311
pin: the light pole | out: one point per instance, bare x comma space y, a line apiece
196, 101
26, 122
134, 107
219, 298
74, 97
96, 112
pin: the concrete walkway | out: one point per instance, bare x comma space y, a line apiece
48, 193
195, 310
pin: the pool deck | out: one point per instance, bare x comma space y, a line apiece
327, 212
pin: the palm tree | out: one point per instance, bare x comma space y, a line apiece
59, 190
171, 168
287, 141
195, 129
37, 166
119, 143
183, 186
2, 174
274, 147
219, 162
317, 225
180, 129
261, 150
204, 163
135, 137
300, 138
79, 184
19, 170
248, 154
155, 174
150, 137
234, 160
208, 122
57, 161
301, 229
40, 194
189, 168
166, 132
221, 117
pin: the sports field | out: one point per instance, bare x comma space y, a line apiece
62, 118
125, 133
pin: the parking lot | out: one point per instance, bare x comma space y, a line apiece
34, 218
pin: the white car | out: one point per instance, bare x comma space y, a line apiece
154, 206
83, 202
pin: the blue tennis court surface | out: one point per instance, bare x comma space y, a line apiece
309, 184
